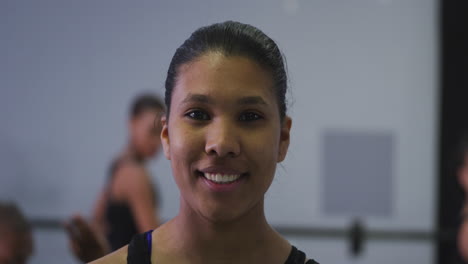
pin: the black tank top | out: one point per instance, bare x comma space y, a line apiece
139, 251
119, 216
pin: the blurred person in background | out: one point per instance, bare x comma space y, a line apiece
128, 203
462, 174
16, 243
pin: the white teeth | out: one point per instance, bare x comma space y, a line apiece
222, 178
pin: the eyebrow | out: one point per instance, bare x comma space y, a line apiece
247, 100
251, 100
198, 98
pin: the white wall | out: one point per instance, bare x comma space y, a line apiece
69, 69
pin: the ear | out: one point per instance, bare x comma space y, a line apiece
165, 137
284, 138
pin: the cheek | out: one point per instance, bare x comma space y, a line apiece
146, 142
262, 151
263, 145
186, 146
139, 135
183, 154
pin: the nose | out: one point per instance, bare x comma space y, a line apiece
222, 139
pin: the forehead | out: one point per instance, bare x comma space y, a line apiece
217, 74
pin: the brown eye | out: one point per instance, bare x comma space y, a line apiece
249, 116
198, 115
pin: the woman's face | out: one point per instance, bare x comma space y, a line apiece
145, 133
224, 136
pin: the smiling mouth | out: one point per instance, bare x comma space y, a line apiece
220, 178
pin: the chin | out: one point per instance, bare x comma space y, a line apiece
222, 217
222, 214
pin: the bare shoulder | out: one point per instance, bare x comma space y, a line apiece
131, 167
131, 176
116, 257
131, 171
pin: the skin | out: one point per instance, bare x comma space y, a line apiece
223, 119
463, 232
15, 248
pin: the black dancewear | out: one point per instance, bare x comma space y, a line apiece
122, 226
139, 251
120, 220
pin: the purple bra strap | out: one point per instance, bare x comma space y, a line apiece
149, 239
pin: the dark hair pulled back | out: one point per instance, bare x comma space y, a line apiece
231, 39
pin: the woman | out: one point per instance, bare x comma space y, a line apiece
128, 203
225, 130
462, 174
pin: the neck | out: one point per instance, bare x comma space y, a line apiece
241, 240
131, 152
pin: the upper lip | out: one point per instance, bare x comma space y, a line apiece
220, 170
